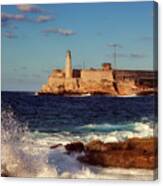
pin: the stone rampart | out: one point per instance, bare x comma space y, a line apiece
96, 75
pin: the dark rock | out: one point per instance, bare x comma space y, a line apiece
55, 146
75, 147
4, 171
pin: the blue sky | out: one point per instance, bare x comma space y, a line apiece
35, 39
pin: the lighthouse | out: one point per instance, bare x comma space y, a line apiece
68, 67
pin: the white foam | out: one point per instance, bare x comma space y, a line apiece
128, 96
27, 154
120, 133
68, 167
20, 157
18, 163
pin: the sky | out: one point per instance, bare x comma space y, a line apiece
35, 39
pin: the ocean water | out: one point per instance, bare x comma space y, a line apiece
31, 124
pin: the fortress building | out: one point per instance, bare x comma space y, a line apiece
105, 81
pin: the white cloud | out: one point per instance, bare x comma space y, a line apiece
60, 31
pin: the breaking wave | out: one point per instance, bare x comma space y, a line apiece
20, 157
27, 154
105, 133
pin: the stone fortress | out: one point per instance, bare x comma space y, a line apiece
104, 81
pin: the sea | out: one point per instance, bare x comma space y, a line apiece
32, 123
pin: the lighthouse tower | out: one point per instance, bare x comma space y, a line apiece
68, 67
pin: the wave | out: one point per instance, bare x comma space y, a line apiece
128, 96
19, 155
135, 126
105, 133
110, 133
68, 167
27, 154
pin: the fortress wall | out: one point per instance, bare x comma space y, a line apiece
125, 87
71, 84
54, 81
141, 78
96, 75
136, 75
45, 88
57, 73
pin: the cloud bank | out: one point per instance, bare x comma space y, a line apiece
137, 56
25, 8
10, 35
5, 17
60, 31
43, 18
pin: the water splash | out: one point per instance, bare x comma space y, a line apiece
19, 157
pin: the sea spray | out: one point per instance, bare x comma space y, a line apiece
19, 157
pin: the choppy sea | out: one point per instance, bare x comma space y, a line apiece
31, 124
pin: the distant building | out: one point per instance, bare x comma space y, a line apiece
104, 80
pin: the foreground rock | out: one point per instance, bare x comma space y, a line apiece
75, 147
4, 171
55, 146
133, 153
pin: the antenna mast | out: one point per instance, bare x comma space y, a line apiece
115, 46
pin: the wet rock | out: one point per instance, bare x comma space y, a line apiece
96, 145
4, 171
75, 147
55, 146
133, 153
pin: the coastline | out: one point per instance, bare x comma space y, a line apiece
138, 153
150, 93
87, 161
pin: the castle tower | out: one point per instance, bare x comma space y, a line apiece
68, 67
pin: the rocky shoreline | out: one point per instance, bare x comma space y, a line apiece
150, 93
139, 153
134, 153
